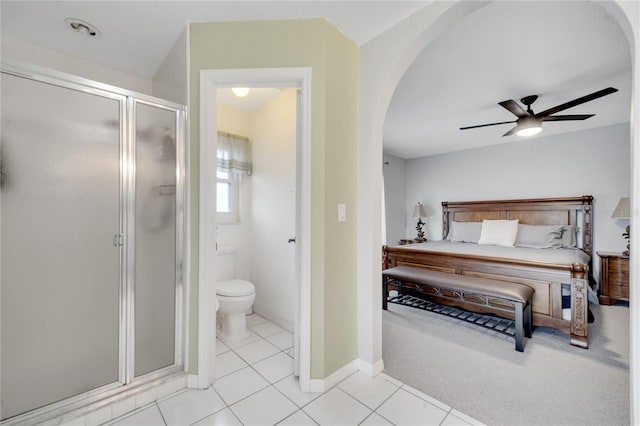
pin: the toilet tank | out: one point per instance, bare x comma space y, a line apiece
225, 264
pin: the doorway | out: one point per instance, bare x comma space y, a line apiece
256, 198
210, 82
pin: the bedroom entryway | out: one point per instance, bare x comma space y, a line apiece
433, 188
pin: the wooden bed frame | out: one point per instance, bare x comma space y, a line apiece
545, 278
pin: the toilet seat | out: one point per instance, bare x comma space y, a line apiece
235, 288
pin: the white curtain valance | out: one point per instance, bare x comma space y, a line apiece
234, 154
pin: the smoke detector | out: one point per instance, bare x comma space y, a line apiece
82, 27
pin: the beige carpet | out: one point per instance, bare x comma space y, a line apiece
478, 371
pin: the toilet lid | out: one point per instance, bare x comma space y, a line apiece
235, 288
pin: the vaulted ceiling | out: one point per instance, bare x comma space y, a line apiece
557, 50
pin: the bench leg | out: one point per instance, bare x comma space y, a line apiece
385, 293
519, 316
528, 327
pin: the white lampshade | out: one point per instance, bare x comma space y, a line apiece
623, 209
419, 211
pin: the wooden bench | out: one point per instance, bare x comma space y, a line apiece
489, 295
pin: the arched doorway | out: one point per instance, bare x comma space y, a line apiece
384, 61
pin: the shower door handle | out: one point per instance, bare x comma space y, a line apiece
118, 241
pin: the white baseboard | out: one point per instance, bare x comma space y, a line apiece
316, 385
371, 370
193, 381
322, 385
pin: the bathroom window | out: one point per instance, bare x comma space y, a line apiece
227, 197
233, 160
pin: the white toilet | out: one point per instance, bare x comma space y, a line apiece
236, 298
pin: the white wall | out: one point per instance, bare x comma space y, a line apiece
170, 81
592, 162
395, 191
273, 208
42, 57
267, 205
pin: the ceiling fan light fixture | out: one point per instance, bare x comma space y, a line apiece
530, 123
529, 131
529, 126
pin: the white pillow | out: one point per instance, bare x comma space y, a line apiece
499, 232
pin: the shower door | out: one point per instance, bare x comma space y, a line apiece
155, 235
90, 250
60, 201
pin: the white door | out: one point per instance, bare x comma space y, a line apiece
273, 207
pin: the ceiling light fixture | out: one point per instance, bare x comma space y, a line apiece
82, 27
240, 92
529, 126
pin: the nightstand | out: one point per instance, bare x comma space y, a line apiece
614, 277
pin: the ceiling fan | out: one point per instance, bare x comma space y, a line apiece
529, 123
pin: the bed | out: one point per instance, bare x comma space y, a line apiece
560, 276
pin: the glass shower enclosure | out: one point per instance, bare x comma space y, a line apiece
92, 241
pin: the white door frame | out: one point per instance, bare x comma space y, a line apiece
210, 81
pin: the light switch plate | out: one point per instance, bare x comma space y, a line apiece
342, 212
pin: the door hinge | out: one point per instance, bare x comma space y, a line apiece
118, 240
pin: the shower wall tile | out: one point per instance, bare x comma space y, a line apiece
78, 421
145, 398
123, 407
170, 387
99, 416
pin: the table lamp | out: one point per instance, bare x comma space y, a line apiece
419, 212
623, 211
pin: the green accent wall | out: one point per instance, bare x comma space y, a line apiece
334, 61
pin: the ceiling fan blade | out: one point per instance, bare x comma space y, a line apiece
514, 108
512, 131
485, 125
583, 99
567, 117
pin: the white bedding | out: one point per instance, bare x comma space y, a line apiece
550, 255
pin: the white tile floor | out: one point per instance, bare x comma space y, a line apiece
255, 386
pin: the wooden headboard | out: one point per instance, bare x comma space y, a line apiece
541, 211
